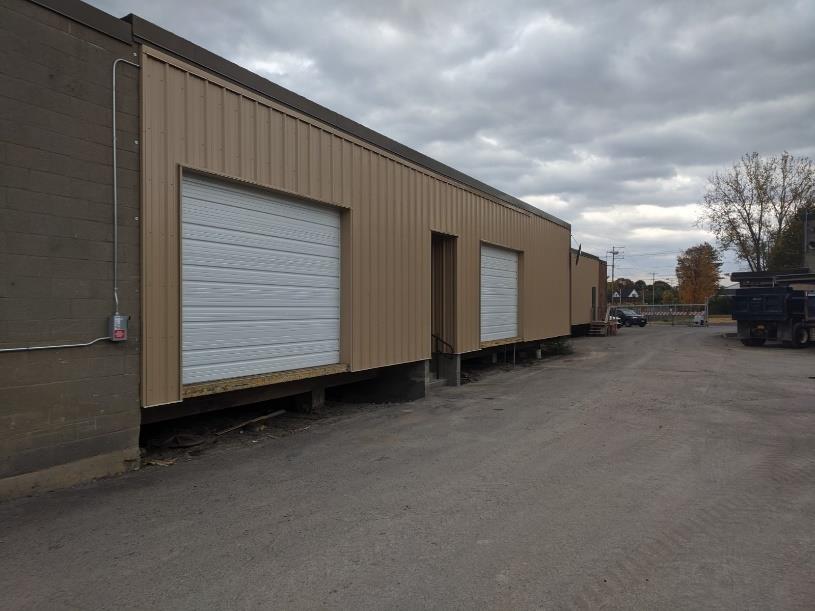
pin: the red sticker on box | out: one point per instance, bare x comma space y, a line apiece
119, 334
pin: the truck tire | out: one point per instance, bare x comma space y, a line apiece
800, 336
753, 342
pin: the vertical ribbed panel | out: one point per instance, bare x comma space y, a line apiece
197, 120
585, 275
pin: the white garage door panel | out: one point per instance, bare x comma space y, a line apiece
260, 352
265, 295
261, 282
236, 369
214, 313
252, 243
226, 274
499, 293
243, 265
258, 206
213, 335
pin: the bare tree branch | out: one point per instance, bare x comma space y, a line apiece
750, 206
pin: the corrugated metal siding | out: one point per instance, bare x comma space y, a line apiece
197, 120
584, 276
261, 282
499, 293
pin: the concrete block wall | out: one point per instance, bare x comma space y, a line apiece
67, 414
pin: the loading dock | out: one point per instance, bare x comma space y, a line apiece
261, 282
499, 294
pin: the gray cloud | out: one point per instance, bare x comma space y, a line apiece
602, 113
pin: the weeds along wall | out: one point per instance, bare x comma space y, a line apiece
195, 120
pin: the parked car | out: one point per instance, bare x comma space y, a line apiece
629, 317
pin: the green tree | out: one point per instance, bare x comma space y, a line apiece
623, 286
788, 253
720, 304
659, 287
653, 292
668, 296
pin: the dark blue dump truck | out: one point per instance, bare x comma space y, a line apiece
776, 307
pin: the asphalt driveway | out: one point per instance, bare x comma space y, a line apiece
663, 468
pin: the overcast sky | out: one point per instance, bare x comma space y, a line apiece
607, 114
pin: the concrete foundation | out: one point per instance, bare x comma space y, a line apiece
69, 474
450, 369
396, 384
310, 401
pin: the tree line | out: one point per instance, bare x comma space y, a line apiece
755, 209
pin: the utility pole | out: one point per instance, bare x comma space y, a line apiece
653, 287
615, 252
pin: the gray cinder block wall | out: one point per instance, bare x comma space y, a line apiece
66, 415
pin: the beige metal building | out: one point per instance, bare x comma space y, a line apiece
588, 278
281, 241
262, 246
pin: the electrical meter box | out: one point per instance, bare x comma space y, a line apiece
118, 327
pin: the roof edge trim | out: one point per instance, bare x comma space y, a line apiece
89, 16
583, 253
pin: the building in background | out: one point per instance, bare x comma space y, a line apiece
588, 291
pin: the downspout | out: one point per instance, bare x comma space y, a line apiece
116, 185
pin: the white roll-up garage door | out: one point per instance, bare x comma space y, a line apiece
499, 293
260, 282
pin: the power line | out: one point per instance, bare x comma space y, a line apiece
651, 254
